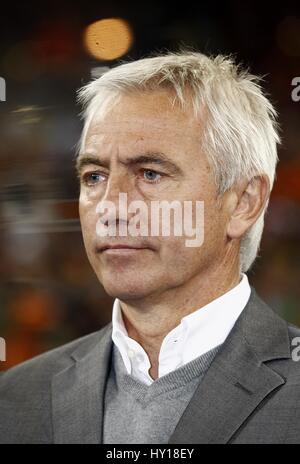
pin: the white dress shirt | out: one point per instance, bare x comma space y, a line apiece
197, 333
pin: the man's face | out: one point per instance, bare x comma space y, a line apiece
144, 147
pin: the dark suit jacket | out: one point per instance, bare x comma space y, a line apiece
250, 394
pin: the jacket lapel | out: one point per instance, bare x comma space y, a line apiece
237, 380
78, 392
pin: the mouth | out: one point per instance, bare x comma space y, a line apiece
121, 249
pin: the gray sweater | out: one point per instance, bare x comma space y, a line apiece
137, 413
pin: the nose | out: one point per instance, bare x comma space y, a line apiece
113, 205
118, 182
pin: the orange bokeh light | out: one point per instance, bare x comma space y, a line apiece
108, 39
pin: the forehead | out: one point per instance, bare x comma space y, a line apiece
144, 118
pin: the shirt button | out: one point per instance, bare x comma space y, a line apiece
140, 358
131, 353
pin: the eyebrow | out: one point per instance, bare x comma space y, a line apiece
157, 158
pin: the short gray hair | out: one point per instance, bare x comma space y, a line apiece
240, 136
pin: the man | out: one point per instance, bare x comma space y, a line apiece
192, 355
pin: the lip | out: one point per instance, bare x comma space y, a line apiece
123, 251
120, 248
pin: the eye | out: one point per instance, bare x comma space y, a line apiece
151, 176
93, 178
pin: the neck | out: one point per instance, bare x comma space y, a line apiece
150, 319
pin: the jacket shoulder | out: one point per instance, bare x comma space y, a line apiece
25, 391
33, 377
294, 331
289, 367
294, 335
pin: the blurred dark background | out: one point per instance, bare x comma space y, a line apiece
48, 292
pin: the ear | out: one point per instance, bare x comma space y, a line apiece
249, 201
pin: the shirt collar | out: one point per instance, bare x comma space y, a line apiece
197, 333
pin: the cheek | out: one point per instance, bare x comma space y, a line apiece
178, 263
191, 251
176, 255
88, 219
215, 226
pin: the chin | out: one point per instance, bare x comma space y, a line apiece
125, 294
126, 289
